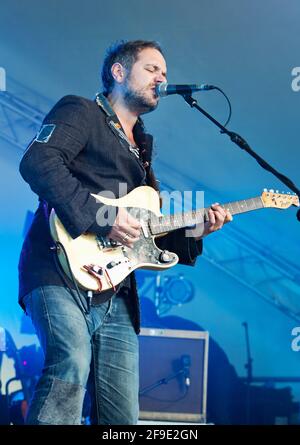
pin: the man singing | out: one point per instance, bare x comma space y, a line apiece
85, 147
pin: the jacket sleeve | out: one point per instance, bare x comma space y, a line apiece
187, 248
45, 166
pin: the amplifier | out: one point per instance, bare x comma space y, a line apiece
173, 375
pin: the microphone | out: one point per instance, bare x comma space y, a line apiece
186, 363
164, 89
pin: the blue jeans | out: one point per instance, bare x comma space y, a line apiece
102, 342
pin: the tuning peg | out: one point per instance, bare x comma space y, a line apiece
271, 190
265, 190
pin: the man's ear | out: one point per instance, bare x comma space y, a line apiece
118, 72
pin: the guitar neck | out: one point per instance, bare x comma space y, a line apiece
169, 223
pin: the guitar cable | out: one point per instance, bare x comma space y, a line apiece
77, 296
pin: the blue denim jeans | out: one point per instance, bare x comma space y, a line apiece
102, 342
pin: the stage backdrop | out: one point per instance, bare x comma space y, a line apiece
250, 270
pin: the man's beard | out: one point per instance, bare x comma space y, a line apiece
137, 101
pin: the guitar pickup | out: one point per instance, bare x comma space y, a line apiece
106, 243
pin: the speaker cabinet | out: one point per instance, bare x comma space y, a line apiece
173, 375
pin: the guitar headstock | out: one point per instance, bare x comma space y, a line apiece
279, 200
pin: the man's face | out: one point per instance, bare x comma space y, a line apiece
139, 86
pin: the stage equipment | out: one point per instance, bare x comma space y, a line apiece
173, 375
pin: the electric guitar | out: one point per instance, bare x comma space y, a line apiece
100, 264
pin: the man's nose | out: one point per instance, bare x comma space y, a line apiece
160, 78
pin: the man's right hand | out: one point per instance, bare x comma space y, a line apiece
126, 229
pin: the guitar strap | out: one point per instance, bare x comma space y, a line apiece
142, 153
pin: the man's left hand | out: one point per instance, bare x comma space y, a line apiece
217, 218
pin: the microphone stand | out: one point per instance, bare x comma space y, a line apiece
248, 366
238, 140
160, 382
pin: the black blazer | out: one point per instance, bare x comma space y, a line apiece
77, 152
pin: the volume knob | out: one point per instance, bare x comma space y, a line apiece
111, 265
165, 256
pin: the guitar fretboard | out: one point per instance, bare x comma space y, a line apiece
188, 219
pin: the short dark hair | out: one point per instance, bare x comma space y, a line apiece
126, 53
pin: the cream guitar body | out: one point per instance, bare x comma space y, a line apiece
99, 264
